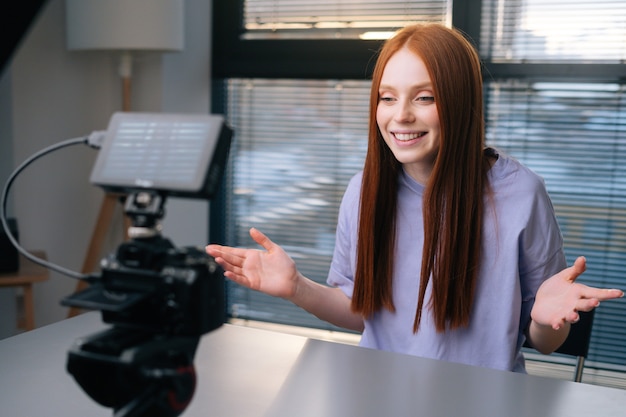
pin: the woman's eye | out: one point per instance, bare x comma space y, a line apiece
426, 99
386, 99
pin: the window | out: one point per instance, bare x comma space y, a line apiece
297, 97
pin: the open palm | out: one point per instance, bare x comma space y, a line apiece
271, 270
560, 298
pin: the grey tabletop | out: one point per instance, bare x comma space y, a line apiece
244, 372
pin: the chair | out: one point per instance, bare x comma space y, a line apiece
577, 342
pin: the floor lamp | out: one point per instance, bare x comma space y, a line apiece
126, 27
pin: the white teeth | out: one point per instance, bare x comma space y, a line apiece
408, 136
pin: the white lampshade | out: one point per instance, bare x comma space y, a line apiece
125, 25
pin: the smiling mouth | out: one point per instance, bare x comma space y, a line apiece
405, 137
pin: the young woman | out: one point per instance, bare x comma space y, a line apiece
445, 248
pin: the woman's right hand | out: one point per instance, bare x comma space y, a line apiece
273, 272
270, 271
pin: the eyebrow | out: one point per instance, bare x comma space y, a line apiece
420, 86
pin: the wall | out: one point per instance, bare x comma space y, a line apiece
49, 94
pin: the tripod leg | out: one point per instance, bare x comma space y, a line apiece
140, 406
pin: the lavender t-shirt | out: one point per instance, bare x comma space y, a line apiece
522, 246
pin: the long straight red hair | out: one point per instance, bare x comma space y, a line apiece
453, 198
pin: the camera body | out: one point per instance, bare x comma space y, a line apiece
184, 294
152, 286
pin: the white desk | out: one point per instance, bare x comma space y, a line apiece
245, 372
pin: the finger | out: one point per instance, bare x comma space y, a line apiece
580, 264
219, 250
559, 324
572, 317
610, 294
239, 279
213, 250
261, 239
226, 261
587, 304
600, 294
233, 255
225, 265
574, 271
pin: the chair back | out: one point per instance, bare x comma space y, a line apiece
577, 342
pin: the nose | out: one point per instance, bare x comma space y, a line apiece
404, 113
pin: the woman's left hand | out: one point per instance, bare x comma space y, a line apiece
560, 298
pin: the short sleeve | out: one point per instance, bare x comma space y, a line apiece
343, 264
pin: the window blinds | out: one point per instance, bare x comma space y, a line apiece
297, 144
271, 19
554, 31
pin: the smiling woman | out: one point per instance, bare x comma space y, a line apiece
491, 250
295, 112
407, 114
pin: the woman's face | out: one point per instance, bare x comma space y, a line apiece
407, 114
